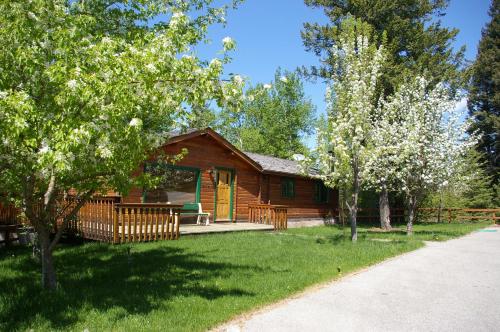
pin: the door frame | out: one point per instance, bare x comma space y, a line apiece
232, 173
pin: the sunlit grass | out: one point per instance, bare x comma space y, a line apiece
191, 284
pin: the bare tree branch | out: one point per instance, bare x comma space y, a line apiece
70, 216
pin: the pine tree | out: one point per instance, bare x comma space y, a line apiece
484, 93
416, 43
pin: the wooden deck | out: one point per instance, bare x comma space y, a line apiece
223, 227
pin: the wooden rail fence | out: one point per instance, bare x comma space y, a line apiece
425, 214
275, 215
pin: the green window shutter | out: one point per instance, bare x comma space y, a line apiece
287, 188
320, 192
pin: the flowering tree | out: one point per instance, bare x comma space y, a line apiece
418, 141
88, 89
344, 143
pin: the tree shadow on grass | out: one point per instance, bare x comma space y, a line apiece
420, 232
104, 277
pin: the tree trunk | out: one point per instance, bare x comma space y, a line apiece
412, 204
354, 229
385, 212
48, 271
353, 208
440, 208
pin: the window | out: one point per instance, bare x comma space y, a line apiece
320, 192
287, 188
178, 185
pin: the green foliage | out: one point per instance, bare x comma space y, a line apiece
416, 42
88, 90
484, 94
201, 117
470, 186
274, 118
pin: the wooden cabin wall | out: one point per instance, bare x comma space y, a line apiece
303, 205
205, 153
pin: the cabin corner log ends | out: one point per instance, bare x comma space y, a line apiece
108, 221
268, 214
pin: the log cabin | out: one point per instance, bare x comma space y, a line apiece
226, 180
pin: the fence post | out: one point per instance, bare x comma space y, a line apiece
115, 225
177, 224
449, 216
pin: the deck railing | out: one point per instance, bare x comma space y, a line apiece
146, 222
104, 219
9, 215
94, 220
275, 215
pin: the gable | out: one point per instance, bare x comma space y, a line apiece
212, 138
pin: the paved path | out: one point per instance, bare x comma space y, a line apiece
445, 286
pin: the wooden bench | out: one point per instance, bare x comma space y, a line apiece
194, 209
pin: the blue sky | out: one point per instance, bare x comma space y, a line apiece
267, 33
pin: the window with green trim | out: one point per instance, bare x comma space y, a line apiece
178, 185
320, 192
287, 188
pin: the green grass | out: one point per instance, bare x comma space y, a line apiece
191, 284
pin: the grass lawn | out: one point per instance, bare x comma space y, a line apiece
192, 284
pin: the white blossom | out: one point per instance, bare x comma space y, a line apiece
72, 84
238, 79
267, 86
228, 43
178, 19
135, 122
151, 67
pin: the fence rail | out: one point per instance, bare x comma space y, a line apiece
8, 214
146, 222
105, 219
275, 215
426, 214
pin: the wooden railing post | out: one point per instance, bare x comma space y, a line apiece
116, 239
449, 216
268, 214
177, 223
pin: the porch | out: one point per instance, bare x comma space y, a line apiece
223, 227
105, 219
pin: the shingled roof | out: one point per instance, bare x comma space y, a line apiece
267, 163
276, 165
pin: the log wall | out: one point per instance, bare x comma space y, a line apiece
250, 185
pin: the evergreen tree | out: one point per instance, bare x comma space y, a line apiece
484, 93
469, 186
416, 42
